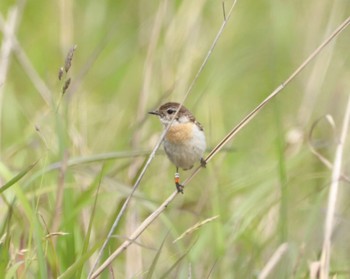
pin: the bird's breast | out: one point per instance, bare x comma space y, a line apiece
180, 133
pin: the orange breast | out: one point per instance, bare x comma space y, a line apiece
180, 133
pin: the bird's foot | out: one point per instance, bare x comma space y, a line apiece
203, 163
179, 187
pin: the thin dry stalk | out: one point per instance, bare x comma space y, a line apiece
316, 79
145, 89
212, 47
275, 258
332, 197
134, 235
151, 156
27, 66
136, 138
126, 203
134, 255
251, 115
227, 138
8, 29
195, 227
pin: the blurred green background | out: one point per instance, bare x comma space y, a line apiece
266, 186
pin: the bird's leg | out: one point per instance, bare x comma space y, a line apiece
179, 187
203, 163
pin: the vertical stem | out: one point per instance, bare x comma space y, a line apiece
332, 197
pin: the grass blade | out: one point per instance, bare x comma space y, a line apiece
17, 178
155, 260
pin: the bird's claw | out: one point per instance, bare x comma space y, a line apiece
203, 163
179, 187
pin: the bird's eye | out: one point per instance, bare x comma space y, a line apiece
170, 111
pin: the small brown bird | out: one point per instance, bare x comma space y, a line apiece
184, 143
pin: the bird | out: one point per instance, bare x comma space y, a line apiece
184, 142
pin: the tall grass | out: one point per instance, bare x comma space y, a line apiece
68, 161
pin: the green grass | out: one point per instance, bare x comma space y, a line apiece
68, 162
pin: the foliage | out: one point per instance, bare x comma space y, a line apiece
68, 158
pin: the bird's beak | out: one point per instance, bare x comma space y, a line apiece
155, 112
